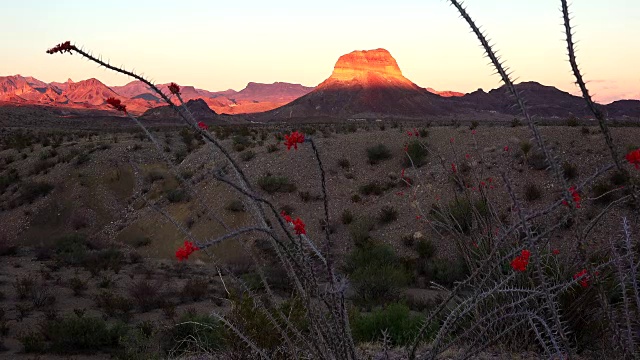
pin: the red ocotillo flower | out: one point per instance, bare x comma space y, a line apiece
116, 104
520, 262
298, 227
633, 157
584, 281
454, 169
575, 195
62, 48
174, 88
203, 126
183, 252
293, 139
286, 217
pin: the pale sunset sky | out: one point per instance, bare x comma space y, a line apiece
217, 45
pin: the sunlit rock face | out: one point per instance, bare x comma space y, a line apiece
358, 63
368, 68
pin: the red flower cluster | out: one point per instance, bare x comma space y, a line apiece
183, 252
174, 88
117, 104
453, 168
556, 252
633, 157
298, 227
286, 217
576, 197
62, 48
203, 126
584, 282
520, 262
293, 139
298, 224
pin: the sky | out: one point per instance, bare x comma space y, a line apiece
218, 45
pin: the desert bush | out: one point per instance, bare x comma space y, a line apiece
537, 161
195, 289
442, 271
387, 214
376, 274
425, 248
306, 196
194, 333
9, 178
141, 241
177, 195
153, 176
359, 230
417, 153
235, 206
33, 342
375, 188
532, 192
346, 217
272, 148
74, 334
344, 163
272, 184
459, 215
569, 170
247, 155
378, 153
30, 191
23, 286
114, 305
78, 285
394, 319
146, 295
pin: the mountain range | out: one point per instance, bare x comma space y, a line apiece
367, 83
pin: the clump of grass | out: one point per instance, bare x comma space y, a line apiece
417, 152
387, 215
570, 171
400, 325
346, 217
344, 163
378, 153
532, 192
273, 184
235, 206
247, 155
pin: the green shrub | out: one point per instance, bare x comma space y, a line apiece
359, 230
459, 214
537, 161
6, 180
375, 188
208, 331
387, 214
425, 249
375, 274
113, 305
30, 191
417, 152
443, 271
195, 289
33, 342
272, 148
344, 163
177, 195
532, 192
570, 171
235, 206
247, 155
74, 334
400, 325
272, 184
347, 217
378, 153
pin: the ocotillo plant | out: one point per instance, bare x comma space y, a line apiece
517, 291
